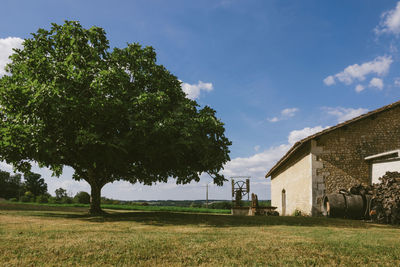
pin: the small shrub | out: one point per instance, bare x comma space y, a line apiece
264, 203
42, 199
53, 200
28, 194
66, 200
105, 200
223, 205
297, 212
13, 199
82, 198
195, 205
25, 199
28, 197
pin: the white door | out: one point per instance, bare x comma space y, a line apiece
380, 168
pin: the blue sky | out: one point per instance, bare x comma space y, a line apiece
275, 71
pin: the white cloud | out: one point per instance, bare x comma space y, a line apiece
224, 3
6, 46
393, 49
359, 88
193, 90
390, 21
289, 112
298, 135
6, 167
343, 114
379, 66
330, 80
377, 83
256, 148
274, 119
397, 82
285, 113
256, 165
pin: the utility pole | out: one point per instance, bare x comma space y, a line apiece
206, 186
207, 196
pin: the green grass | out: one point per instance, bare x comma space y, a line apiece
129, 207
50, 235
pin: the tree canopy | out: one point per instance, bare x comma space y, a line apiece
61, 193
110, 114
10, 185
82, 197
35, 184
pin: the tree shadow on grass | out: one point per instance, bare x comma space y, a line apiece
164, 218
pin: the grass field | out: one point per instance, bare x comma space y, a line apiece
43, 235
119, 207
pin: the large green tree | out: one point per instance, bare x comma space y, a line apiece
10, 185
110, 114
35, 184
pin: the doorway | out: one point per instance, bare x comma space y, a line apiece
283, 202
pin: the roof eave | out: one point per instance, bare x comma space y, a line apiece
328, 130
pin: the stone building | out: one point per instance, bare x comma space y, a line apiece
356, 151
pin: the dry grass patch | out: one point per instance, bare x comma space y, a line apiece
70, 237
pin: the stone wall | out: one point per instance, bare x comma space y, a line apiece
338, 156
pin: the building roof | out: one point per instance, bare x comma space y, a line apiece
300, 143
387, 154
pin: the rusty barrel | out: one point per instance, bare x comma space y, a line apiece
355, 206
334, 205
346, 206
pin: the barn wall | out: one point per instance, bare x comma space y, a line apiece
339, 156
296, 180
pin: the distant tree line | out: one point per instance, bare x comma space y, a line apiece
212, 204
34, 189
218, 204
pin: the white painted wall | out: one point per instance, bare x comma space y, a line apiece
297, 182
380, 168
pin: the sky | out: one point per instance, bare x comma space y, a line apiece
275, 71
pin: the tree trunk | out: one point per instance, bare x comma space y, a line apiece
95, 198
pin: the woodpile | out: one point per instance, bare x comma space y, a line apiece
385, 202
380, 202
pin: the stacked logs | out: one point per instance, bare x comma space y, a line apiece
381, 201
385, 202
